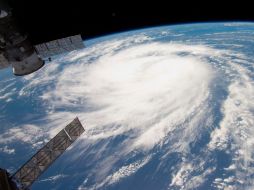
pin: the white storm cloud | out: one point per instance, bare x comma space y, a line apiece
151, 93
149, 89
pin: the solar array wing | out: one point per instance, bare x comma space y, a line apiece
31, 170
48, 49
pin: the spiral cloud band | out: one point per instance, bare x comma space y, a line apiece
184, 106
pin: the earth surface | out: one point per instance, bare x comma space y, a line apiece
169, 107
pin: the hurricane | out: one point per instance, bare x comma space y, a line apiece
158, 114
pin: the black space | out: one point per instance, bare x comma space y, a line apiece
46, 20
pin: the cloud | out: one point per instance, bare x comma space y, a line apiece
149, 95
142, 89
236, 131
7, 90
7, 150
122, 173
26, 134
148, 92
54, 178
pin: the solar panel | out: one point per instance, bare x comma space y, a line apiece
31, 170
59, 46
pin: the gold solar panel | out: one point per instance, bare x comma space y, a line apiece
32, 169
59, 46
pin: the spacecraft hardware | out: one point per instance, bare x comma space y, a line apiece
18, 52
24, 177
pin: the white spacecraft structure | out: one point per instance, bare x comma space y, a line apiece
24, 57
39, 162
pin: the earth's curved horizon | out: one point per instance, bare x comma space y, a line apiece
167, 107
